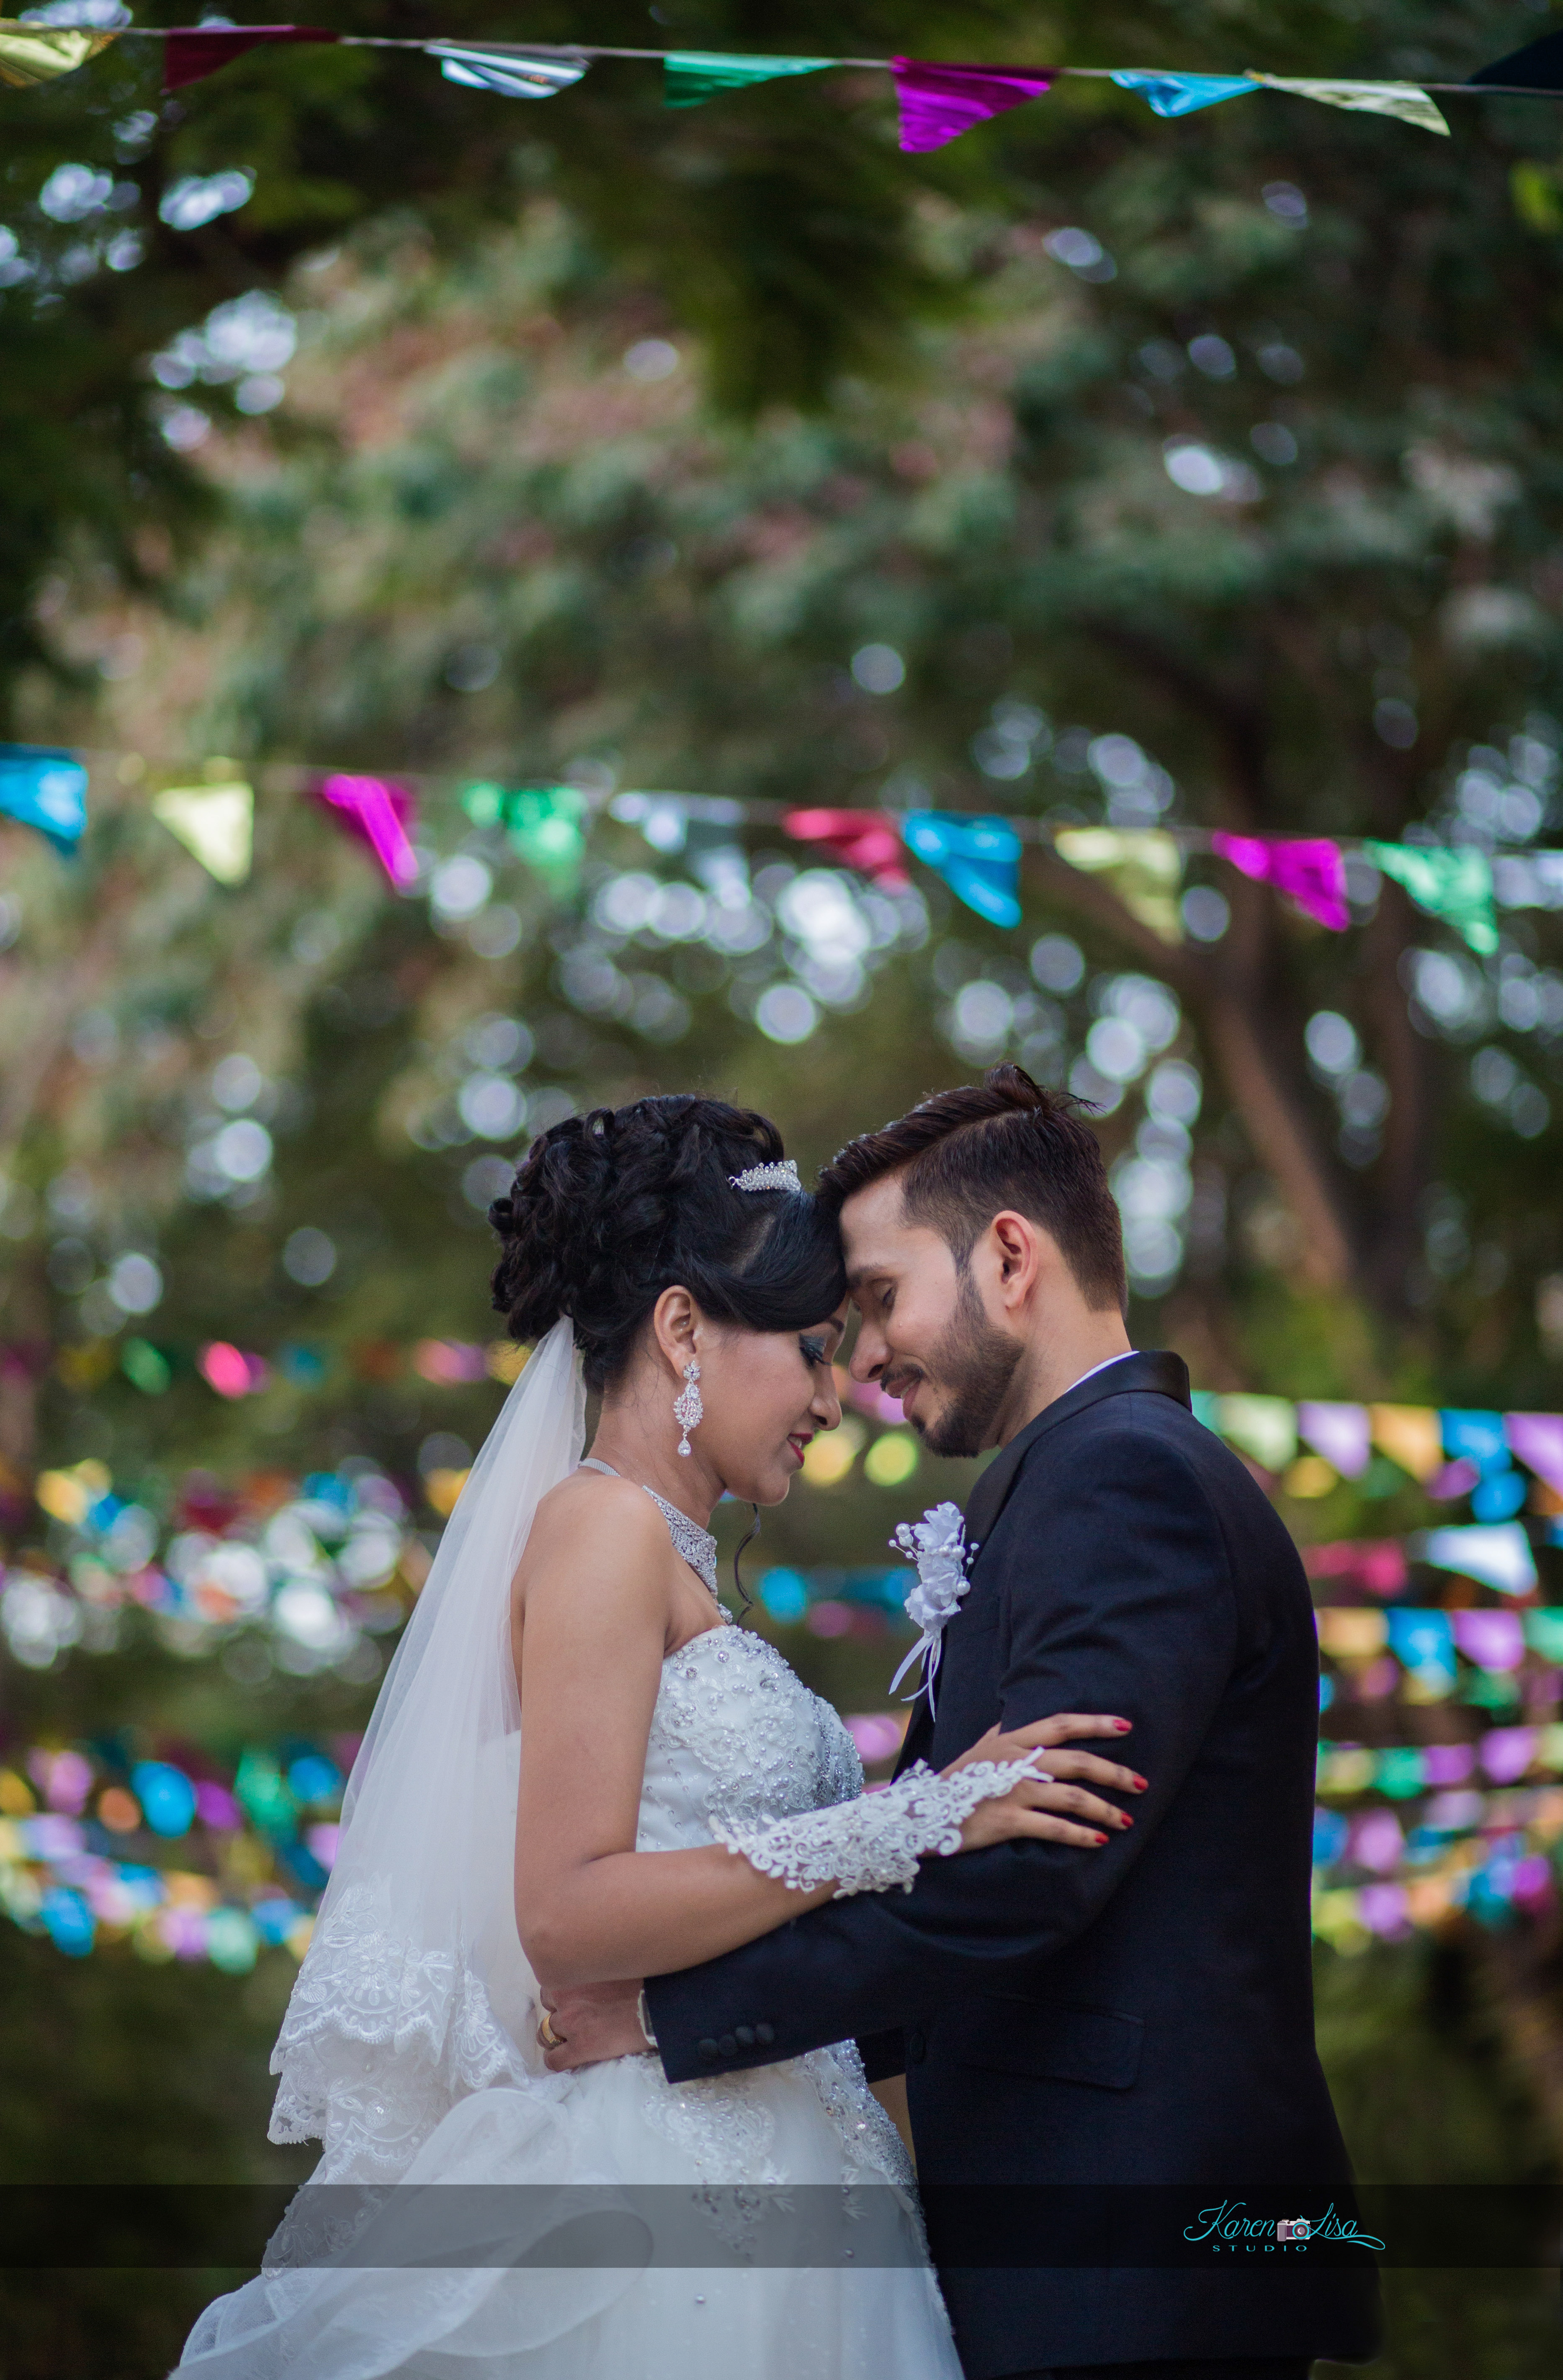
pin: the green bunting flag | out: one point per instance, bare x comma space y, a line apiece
35, 54
1456, 885
1143, 865
694, 75
1402, 100
544, 824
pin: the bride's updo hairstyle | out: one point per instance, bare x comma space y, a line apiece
610, 1208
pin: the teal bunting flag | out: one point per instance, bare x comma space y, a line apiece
44, 789
544, 824
1456, 885
1180, 95
691, 76
978, 859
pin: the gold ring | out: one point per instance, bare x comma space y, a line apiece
546, 2034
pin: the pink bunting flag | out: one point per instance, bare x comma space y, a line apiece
1312, 873
379, 814
192, 54
1538, 1439
938, 102
866, 840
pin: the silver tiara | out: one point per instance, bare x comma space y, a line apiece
784, 1175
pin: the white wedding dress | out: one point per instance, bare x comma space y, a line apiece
423, 2069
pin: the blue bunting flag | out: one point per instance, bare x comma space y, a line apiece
1179, 94
44, 789
977, 858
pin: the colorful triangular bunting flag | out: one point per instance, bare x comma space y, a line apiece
938, 102
978, 859
190, 56
44, 789
1180, 95
691, 76
511, 72
1398, 99
1456, 885
215, 823
31, 55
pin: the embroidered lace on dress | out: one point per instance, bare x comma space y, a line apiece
379, 2041
878, 1841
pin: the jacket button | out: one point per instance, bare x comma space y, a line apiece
744, 2035
728, 2045
706, 2049
765, 2034
916, 2047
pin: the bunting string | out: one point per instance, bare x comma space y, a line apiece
978, 856
938, 99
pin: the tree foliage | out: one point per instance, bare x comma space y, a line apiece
612, 436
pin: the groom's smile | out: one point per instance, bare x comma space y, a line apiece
925, 1334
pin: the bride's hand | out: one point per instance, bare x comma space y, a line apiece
1058, 1809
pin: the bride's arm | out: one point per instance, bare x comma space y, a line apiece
593, 1624
592, 1637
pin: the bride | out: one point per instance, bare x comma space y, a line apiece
579, 1770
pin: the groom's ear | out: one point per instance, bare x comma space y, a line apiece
1019, 1250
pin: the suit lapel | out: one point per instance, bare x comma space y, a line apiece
1158, 1374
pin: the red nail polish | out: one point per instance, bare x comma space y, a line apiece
1141, 1783
1100, 1839
1121, 1725
1127, 1819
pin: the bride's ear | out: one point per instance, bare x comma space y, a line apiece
675, 1321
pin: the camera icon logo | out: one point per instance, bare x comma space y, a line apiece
1298, 2229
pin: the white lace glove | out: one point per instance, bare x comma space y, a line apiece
870, 1844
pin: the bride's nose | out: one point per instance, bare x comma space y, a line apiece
826, 1405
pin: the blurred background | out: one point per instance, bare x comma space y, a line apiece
609, 481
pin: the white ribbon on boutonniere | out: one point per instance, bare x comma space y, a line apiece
938, 1544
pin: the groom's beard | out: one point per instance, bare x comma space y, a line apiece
973, 1365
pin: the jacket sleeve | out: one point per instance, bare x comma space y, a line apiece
1119, 1598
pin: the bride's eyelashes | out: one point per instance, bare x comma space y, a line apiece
815, 1350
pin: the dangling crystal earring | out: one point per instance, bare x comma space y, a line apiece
687, 1407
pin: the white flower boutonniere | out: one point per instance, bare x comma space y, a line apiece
938, 1544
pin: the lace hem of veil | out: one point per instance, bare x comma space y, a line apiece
380, 2041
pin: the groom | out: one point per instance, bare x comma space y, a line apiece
1136, 2015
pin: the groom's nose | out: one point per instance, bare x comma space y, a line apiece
870, 1354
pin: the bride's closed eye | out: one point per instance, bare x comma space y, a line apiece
815, 1350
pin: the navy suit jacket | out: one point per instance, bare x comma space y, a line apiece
1141, 2015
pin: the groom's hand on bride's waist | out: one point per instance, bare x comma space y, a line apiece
584, 2023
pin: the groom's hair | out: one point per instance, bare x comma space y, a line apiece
963, 1156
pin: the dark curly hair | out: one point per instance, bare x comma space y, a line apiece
609, 1209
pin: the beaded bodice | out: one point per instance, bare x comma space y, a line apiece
737, 1740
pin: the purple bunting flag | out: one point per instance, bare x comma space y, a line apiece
1311, 872
938, 102
1538, 1439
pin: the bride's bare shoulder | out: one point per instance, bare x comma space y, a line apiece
594, 1523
